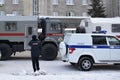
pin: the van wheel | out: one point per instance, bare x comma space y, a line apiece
49, 51
6, 51
85, 64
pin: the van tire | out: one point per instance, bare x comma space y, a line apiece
6, 51
85, 64
49, 51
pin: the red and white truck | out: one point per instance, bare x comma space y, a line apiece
16, 32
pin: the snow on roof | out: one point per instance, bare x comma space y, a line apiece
105, 20
64, 17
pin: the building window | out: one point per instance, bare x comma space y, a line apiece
35, 7
84, 14
55, 13
84, 2
15, 1
55, 2
115, 27
10, 26
2, 13
15, 13
2, 2
70, 14
69, 2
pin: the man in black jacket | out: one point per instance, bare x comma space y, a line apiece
35, 52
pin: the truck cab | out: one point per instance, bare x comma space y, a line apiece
51, 35
16, 32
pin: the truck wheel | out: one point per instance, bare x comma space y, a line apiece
85, 63
49, 51
6, 51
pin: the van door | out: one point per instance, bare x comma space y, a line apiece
100, 48
29, 31
114, 48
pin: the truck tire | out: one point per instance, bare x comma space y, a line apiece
85, 63
6, 51
49, 51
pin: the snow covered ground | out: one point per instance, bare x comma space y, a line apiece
56, 70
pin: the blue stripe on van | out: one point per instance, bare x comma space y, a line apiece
116, 47
79, 46
89, 46
103, 47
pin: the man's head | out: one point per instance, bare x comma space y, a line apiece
34, 37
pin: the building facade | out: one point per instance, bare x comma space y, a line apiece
54, 7
67, 7
27, 7
112, 8
11, 7
44, 7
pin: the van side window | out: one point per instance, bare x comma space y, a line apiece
99, 40
113, 40
10, 26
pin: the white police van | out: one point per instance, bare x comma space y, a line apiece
88, 49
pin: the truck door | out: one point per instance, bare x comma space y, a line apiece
114, 48
29, 31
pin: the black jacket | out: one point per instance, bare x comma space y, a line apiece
35, 47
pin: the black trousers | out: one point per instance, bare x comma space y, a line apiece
35, 63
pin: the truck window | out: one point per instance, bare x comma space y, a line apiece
115, 27
55, 27
99, 40
113, 41
30, 31
10, 26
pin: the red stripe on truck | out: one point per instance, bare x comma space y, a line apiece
54, 34
12, 34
